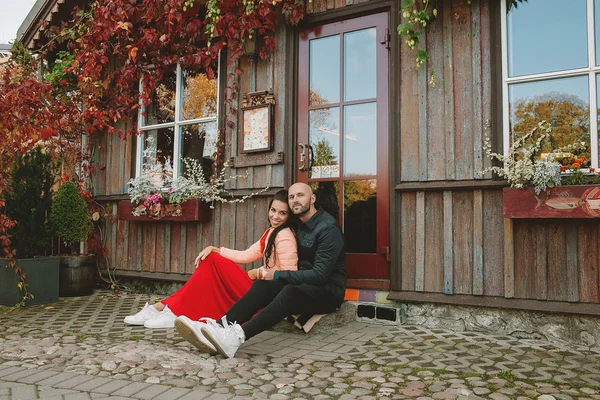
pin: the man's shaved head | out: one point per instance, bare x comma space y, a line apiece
302, 201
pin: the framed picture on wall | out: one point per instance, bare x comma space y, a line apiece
257, 122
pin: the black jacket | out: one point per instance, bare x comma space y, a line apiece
321, 257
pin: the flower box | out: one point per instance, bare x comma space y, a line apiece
189, 210
560, 202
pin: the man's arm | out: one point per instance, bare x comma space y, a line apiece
329, 247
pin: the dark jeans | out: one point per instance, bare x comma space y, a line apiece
278, 300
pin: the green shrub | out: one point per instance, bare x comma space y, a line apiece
70, 219
29, 200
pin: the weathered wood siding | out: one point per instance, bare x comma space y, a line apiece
171, 247
454, 240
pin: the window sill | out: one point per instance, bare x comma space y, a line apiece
189, 210
561, 202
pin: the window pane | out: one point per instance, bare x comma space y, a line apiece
360, 139
158, 147
162, 108
562, 102
198, 141
327, 197
324, 70
360, 72
324, 141
597, 29
546, 36
360, 200
198, 95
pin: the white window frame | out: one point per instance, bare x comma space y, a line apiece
591, 71
177, 124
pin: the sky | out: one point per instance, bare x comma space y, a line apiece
12, 14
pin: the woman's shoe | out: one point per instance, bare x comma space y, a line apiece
146, 313
165, 319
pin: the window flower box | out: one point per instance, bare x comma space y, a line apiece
189, 210
581, 201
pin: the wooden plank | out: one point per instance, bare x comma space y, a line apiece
126, 260
159, 264
493, 251
436, 138
396, 241
242, 241
463, 242
175, 246
463, 94
199, 236
226, 220
477, 88
100, 187
168, 247
190, 247
449, 185
434, 242
587, 250
129, 145
260, 223
420, 242
182, 247
409, 124
330, 4
525, 259
120, 260
446, 19
422, 96
340, 4
148, 247
232, 226
448, 243
108, 242
541, 262
310, 7
557, 262
407, 229
509, 259
478, 242
113, 235
138, 247
487, 93
108, 163
572, 268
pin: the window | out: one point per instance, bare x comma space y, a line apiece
551, 71
181, 121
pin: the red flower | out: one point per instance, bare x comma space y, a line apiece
576, 165
592, 169
563, 168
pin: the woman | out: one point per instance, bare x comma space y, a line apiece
218, 281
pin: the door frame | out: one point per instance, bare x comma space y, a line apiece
354, 22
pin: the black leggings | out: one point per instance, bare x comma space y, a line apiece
278, 300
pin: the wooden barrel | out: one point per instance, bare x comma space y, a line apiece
77, 275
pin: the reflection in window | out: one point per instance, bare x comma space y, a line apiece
534, 43
360, 65
327, 194
562, 102
162, 108
360, 139
198, 95
159, 143
324, 141
193, 119
324, 81
360, 201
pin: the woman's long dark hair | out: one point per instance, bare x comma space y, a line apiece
291, 223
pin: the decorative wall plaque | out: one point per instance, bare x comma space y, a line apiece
257, 122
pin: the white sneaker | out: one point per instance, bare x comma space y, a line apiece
226, 339
165, 319
146, 313
191, 331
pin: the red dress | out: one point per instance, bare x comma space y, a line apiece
216, 285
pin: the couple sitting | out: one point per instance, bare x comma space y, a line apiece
303, 275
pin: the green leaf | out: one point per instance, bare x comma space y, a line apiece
422, 54
406, 3
402, 27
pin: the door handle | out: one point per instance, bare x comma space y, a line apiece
302, 162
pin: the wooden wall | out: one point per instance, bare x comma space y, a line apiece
163, 247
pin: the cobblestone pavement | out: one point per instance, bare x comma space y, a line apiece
79, 348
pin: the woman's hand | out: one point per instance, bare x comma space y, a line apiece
253, 274
268, 274
204, 253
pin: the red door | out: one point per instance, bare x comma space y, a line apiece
343, 134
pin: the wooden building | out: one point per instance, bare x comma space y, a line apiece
394, 157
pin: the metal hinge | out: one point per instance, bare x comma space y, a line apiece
386, 252
387, 38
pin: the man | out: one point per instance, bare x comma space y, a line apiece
317, 287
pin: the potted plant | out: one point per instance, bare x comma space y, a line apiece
28, 202
546, 185
70, 221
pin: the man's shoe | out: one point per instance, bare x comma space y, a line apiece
226, 339
146, 313
191, 331
165, 319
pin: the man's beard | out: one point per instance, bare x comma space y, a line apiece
303, 210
